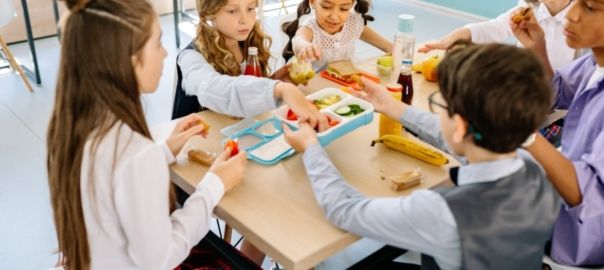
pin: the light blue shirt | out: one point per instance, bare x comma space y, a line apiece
421, 221
241, 96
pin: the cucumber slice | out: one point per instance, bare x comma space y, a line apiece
356, 109
344, 110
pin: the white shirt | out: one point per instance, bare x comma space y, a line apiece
596, 77
126, 206
498, 30
338, 46
241, 96
420, 222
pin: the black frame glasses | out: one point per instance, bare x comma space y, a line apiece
431, 102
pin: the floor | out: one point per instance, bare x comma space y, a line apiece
26, 229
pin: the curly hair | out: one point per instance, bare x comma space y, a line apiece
211, 43
290, 28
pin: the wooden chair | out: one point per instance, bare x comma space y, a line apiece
7, 13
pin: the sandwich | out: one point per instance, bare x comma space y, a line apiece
343, 70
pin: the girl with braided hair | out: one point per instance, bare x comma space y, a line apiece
326, 31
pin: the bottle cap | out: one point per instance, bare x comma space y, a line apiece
405, 23
252, 51
394, 87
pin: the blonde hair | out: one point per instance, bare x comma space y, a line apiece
211, 43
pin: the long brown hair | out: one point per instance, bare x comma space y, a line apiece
96, 89
290, 28
212, 45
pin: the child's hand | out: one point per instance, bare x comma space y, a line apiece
309, 53
186, 128
380, 98
301, 139
443, 44
529, 33
282, 74
305, 110
230, 170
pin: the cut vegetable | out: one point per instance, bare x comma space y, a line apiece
344, 110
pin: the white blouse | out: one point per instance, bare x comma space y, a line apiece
339, 46
124, 189
498, 30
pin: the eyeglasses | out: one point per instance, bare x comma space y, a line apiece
471, 129
432, 103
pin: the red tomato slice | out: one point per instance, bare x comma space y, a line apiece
233, 145
291, 115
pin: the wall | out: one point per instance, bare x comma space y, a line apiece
486, 8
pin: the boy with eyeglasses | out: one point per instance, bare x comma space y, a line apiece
501, 211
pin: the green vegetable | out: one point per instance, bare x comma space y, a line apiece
344, 110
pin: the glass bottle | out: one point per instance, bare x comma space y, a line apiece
252, 65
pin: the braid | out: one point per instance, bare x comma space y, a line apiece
290, 28
362, 7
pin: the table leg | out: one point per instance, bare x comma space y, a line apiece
176, 22
228, 233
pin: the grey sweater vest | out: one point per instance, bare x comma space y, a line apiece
503, 224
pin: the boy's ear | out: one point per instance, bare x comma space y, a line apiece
460, 130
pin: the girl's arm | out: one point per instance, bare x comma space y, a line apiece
372, 37
302, 45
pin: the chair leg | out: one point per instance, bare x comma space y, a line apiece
15, 65
228, 233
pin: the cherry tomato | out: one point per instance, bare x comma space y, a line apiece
233, 145
291, 115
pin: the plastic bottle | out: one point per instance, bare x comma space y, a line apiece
404, 43
387, 124
405, 79
252, 65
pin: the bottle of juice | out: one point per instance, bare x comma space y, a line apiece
405, 79
387, 124
252, 65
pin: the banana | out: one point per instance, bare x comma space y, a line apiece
413, 148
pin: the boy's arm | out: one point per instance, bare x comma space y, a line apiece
426, 125
422, 222
577, 181
372, 37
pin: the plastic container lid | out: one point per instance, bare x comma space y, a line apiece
252, 51
405, 23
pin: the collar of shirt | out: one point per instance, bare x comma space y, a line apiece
488, 171
543, 14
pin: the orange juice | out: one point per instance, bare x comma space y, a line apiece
387, 124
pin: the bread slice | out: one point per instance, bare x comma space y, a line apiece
406, 180
523, 13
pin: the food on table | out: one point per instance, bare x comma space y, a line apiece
300, 72
326, 101
342, 70
233, 145
428, 67
291, 115
413, 148
206, 126
349, 110
331, 121
524, 13
405, 180
202, 157
384, 65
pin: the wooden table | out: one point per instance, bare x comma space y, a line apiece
274, 206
